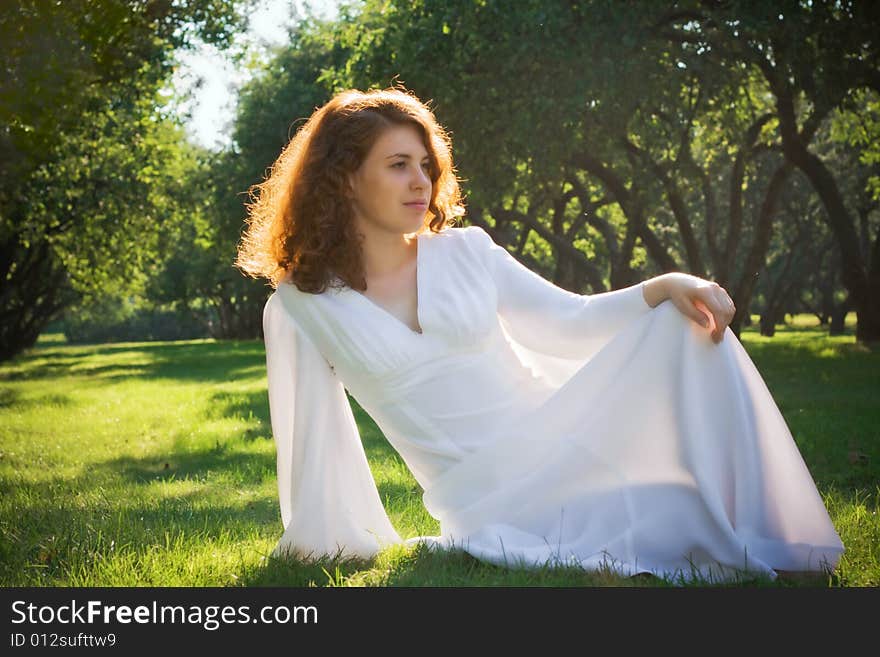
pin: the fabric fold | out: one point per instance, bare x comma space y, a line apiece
328, 497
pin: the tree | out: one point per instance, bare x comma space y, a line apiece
815, 57
81, 146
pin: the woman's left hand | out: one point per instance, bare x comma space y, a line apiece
698, 298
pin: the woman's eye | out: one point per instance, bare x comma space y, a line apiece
426, 165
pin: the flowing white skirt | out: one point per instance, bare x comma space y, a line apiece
665, 453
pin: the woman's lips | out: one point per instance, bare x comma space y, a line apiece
419, 205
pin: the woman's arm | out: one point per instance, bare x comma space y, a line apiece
548, 318
327, 494
655, 291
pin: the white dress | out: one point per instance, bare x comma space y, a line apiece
545, 427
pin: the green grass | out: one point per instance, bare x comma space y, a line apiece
152, 464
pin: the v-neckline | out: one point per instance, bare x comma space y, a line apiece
394, 318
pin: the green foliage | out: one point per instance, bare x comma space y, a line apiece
104, 197
88, 167
114, 320
857, 124
584, 120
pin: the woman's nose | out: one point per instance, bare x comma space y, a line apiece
421, 179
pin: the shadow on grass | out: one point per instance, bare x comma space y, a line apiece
424, 566
201, 360
119, 506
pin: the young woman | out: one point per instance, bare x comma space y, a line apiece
626, 430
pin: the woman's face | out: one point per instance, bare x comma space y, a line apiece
391, 180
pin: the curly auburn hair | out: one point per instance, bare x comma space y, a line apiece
301, 224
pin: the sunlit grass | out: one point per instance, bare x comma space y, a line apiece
152, 464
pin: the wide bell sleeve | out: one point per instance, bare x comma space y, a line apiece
552, 329
327, 494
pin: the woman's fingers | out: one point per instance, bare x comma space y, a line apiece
700, 313
727, 309
705, 302
703, 314
713, 309
723, 311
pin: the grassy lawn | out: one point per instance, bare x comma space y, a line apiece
152, 464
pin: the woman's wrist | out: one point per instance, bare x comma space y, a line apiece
654, 291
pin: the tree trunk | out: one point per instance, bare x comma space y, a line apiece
863, 286
838, 317
31, 296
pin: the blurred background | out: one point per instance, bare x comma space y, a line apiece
602, 143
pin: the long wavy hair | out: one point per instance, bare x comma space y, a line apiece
300, 224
